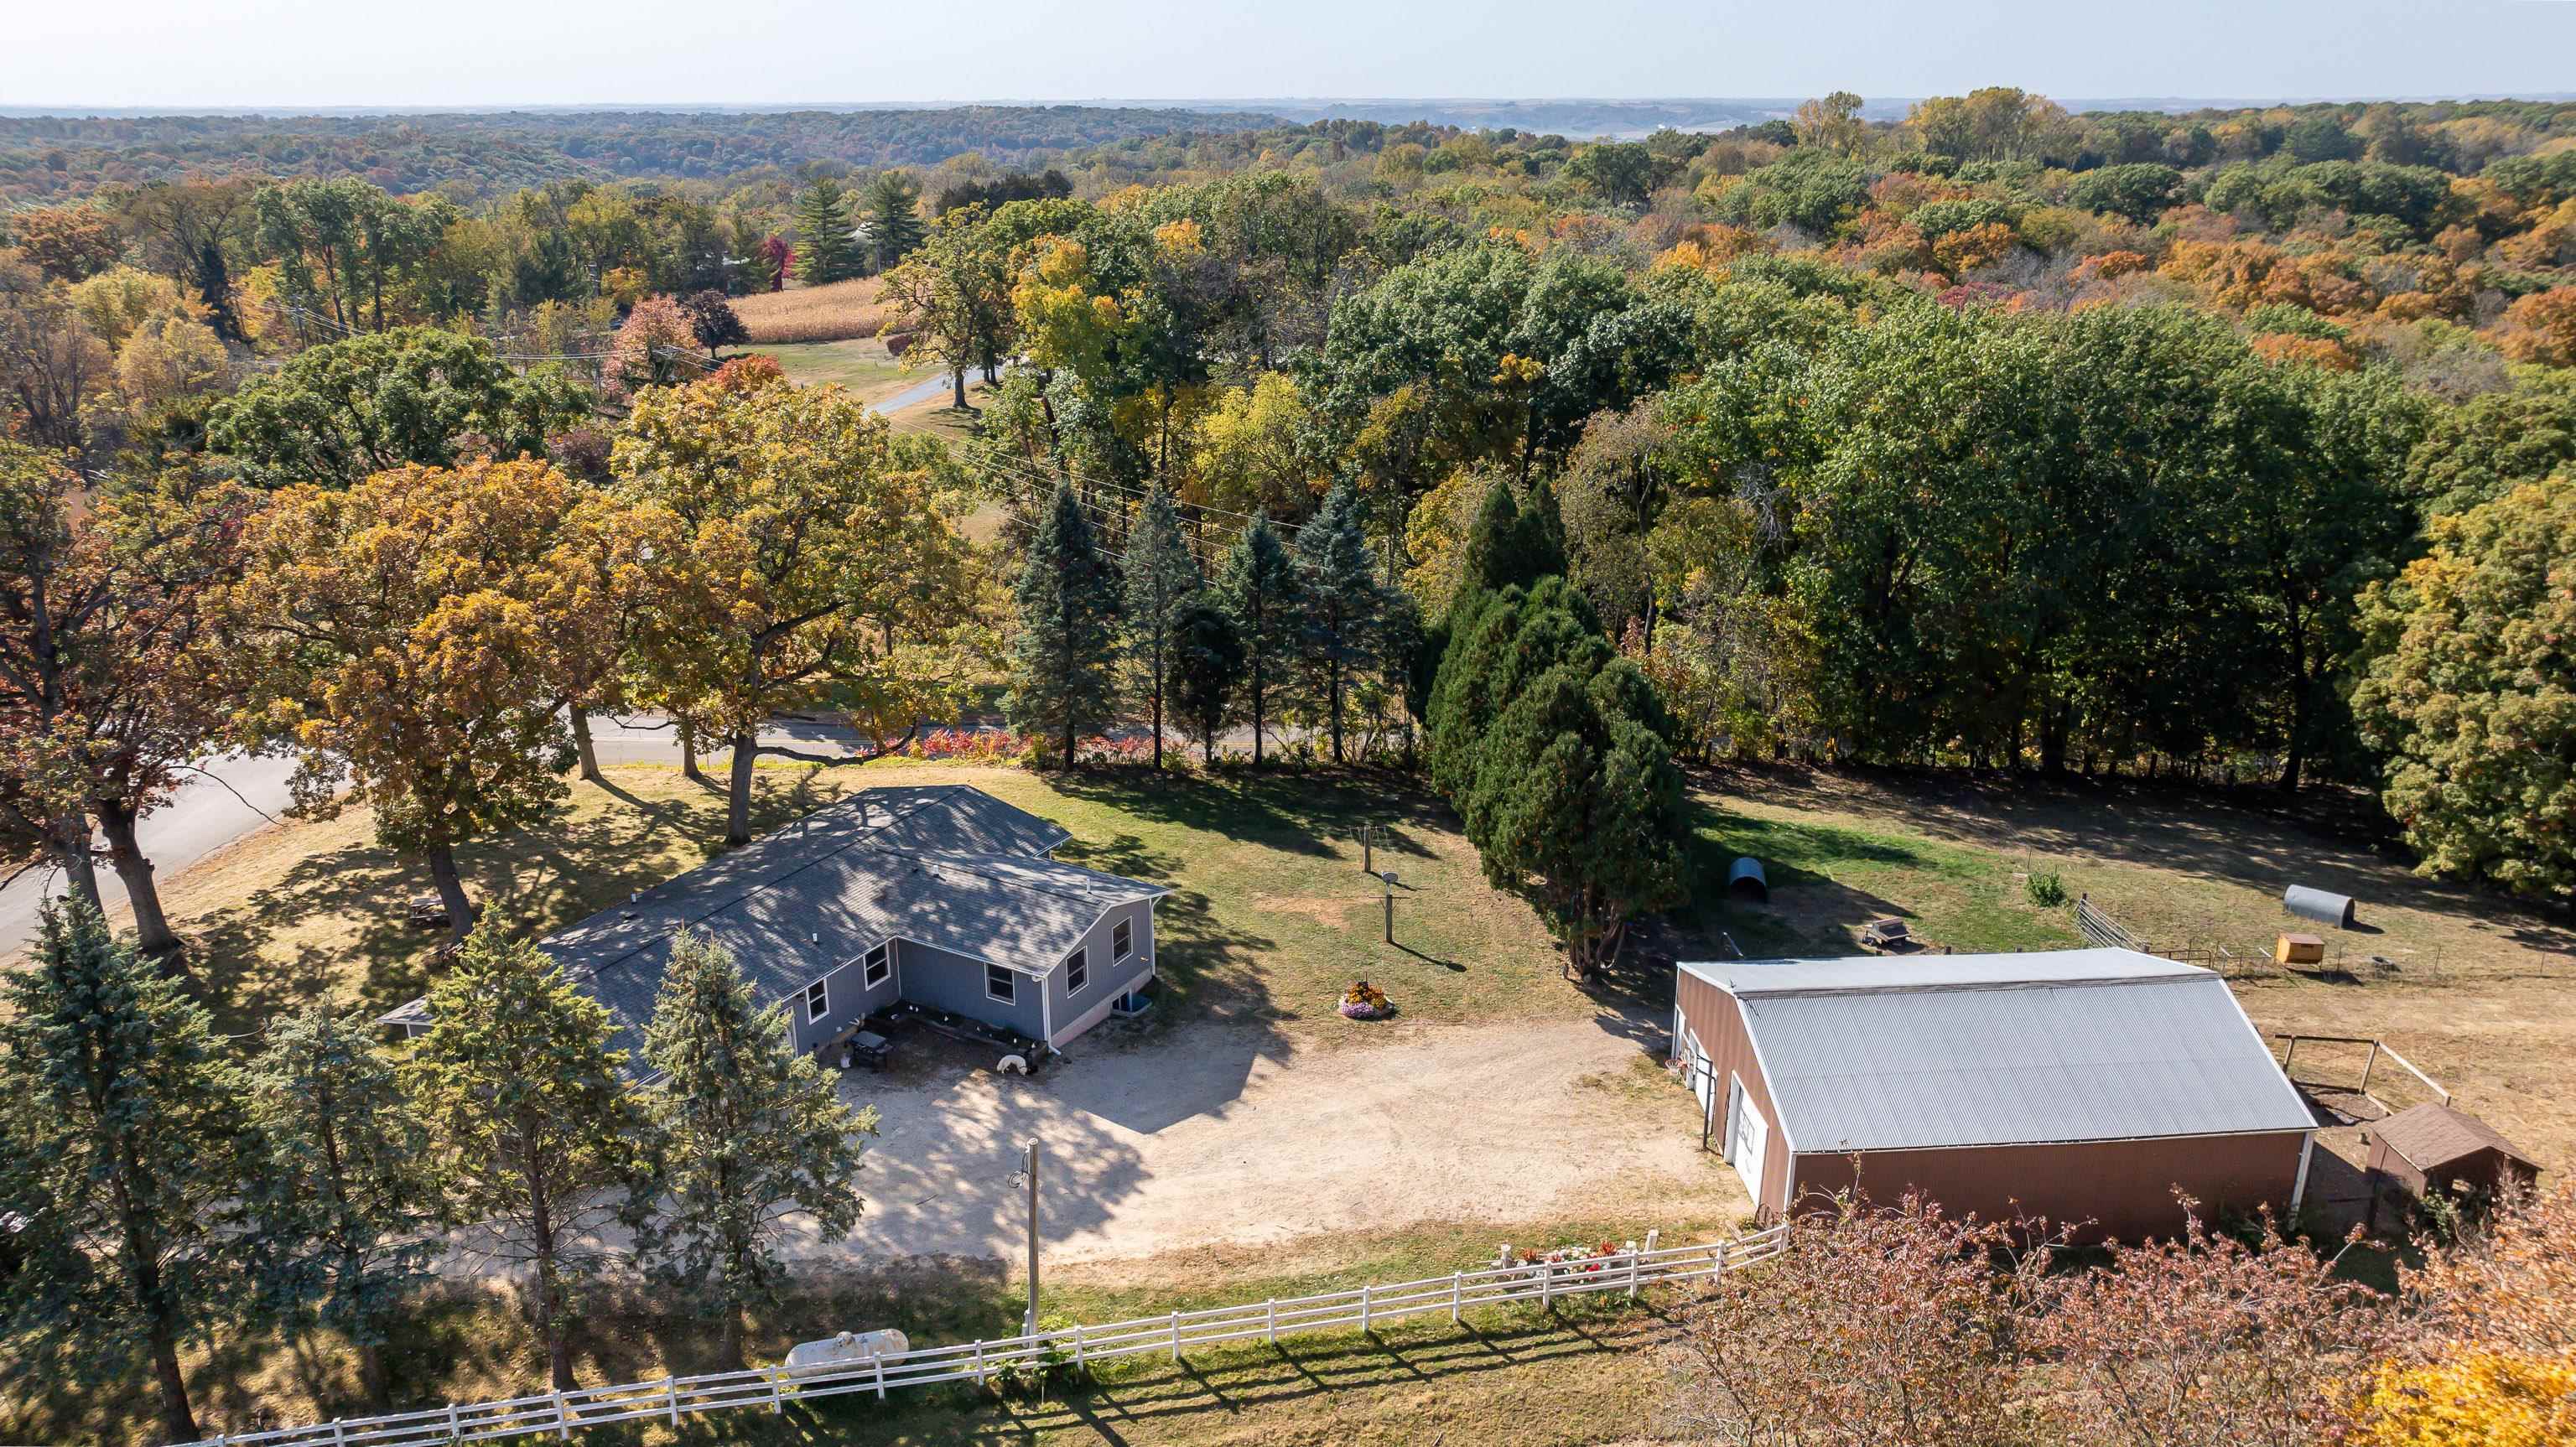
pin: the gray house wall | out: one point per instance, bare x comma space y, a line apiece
847, 998
1109, 978
955, 983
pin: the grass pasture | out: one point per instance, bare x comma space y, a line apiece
837, 312
859, 365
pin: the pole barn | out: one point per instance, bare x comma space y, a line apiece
2083, 1085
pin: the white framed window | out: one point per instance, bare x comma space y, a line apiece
880, 963
818, 1002
1077, 971
1122, 939
1001, 984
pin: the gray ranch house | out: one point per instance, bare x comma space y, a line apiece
939, 895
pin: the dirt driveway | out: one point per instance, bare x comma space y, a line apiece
1219, 1135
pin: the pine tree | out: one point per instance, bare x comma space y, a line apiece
1062, 678
1163, 580
893, 207
825, 252
531, 1124
752, 1130
342, 1193
1346, 606
1258, 587
1207, 663
119, 1151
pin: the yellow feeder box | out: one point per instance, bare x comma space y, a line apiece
2299, 950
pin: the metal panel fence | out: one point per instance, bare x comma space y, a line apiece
557, 1414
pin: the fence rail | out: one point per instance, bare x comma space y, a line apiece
558, 1414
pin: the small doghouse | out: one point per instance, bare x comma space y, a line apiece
2299, 950
2319, 905
2432, 1147
1745, 879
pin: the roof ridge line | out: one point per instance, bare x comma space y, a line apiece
953, 860
1947, 987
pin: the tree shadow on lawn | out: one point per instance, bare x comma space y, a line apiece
1302, 810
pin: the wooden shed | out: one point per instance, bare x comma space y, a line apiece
2083, 1085
2432, 1147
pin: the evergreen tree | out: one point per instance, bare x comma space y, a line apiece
342, 1194
1577, 807
825, 252
1163, 580
1346, 606
1062, 677
118, 1126
1207, 664
532, 1126
752, 1130
893, 208
1258, 586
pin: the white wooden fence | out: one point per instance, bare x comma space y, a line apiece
556, 1414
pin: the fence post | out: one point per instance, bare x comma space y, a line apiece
563, 1419
1176, 1333
1454, 1279
1077, 1344
453, 1431
879, 1359
1270, 1319
671, 1393
1635, 1260
775, 1406
1364, 1307
339, 1433
1546, 1285
979, 1361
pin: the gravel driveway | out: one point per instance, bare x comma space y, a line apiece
1217, 1134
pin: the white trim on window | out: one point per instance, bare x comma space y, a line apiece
1122, 940
878, 965
818, 1001
1007, 978
1077, 971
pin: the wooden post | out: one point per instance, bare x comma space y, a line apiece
1546, 1285
1364, 1307
2290, 1055
339, 1433
979, 1361
671, 1391
1077, 1344
453, 1432
563, 1422
2368, 1066
1176, 1334
1454, 1279
775, 1405
1633, 1262
1270, 1320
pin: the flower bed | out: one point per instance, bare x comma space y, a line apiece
1594, 1257
1364, 1001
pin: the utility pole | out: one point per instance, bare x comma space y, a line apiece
1030, 1327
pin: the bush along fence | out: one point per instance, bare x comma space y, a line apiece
559, 1414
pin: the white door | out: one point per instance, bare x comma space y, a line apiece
1752, 1138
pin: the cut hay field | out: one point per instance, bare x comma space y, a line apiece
837, 312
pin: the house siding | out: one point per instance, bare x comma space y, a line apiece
2122, 1188
942, 980
1718, 1022
848, 999
1069, 1013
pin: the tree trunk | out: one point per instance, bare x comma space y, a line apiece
71, 846
1068, 738
373, 1379
582, 745
957, 377
125, 852
178, 1421
1257, 701
1337, 717
689, 754
746, 747
451, 890
1158, 710
729, 1351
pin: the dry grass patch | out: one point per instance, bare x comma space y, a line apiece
833, 313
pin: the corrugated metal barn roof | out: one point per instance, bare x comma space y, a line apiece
1971, 1050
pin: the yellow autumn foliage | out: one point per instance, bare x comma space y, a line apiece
2471, 1398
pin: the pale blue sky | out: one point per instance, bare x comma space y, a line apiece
755, 52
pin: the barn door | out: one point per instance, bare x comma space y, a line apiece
1752, 1140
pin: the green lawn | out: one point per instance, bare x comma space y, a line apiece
861, 365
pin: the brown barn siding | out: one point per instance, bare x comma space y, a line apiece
2125, 1187
1719, 1023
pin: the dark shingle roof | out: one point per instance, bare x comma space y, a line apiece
2433, 1135
947, 866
